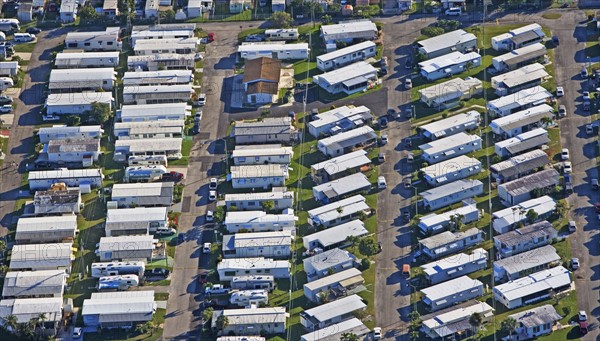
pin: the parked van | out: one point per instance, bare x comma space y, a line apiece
247, 297
5, 83
24, 37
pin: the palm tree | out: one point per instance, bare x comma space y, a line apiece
222, 322
469, 66
349, 337
141, 328
475, 321
40, 320
11, 322
457, 220
150, 327
509, 325
2, 248
207, 315
546, 120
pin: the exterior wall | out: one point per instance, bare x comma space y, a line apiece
464, 47
261, 227
455, 298
44, 184
144, 98
469, 146
125, 254
48, 236
252, 205
262, 139
258, 182
100, 43
257, 98
454, 69
276, 251
346, 59
72, 157
227, 274
261, 160
462, 244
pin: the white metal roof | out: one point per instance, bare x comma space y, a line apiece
526, 96
144, 110
528, 260
540, 205
151, 189
433, 219
344, 162
447, 60
120, 302
341, 186
273, 195
350, 134
346, 50
349, 27
521, 137
64, 56
519, 52
152, 89
447, 237
347, 72
537, 316
149, 124
161, 76
261, 150
520, 76
450, 89
254, 239
121, 243
25, 309
338, 114
136, 214
336, 234
39, 224
328, 259
450, 189
447, 143
153, 144
464, 313
281, 30
543, 280
254, 316
349, 205
470, 118
155, 44
454, 261
450, 166
333, 278
252, 263
521, 117
258, 171
242, 217
64, 173
272, 46
31, 283
39, 256
111, 33
81, 75
336, 308
446, 40
79, 98
451, 287
333, 332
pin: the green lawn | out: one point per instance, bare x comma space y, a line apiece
186, 148
26, 47
4, 148
302, 67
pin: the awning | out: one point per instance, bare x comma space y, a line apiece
352, 281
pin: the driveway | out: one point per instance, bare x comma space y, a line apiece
20, 143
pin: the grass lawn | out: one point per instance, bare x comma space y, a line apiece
4, 145
27, 47
186, 147
161, 296
301, 68
551, 15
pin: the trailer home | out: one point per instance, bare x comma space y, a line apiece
282, 34
338, 212
435, 223
452, 125
522, 121
450, 147
269, 320
521, 143
117, 268
143, 194
448, 65
57, 202
149, 129
47, 256
518, 37
342, 187
107, 40
447, 243
340, 166
535, 53
328, 263
154, 112
118, 309
43, 180
50, 229
524, 239
443, 44
76, 103
161, 61
157, 94
77, 80
347, 31
348, 79
257, 176
232, 267
62, 132
448, 94
453, 322
259, 244
82, 60
346, 55
523, 78
451, 170
338, 120
276, 50
346, 142
517, 101
523, 264
455, 266
137, 247
333, 285
519, 165
162, 31
34, 284
262, 154
506, 219
334, 236
516, 191
245, 298
260, 221
266, 282
147, 47
134, 221
281, 198
449, 293
162, 77
331, 313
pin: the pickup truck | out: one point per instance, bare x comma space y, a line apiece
216, 289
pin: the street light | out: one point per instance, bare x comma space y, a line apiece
416, 200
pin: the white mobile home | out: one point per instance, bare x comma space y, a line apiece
118, 309
277, 6
334, 236
447, 243
532, 288
253, 282
245, 298
160, 61
107, 40
435, 223
68, 11
149, 129
26, 309
258, 244
147, 47
138, 220
117, 268
262, 154
338, 212
455, 266
259, 221
520, 100
348, 79
523, 78
62, 132
51, 229
110, 9
535, 322
276, 50
157, 94
340, 119
518, 166
330, 313
335, 331
452, 125
523, 264
37, 284
194, 8
117, 282
76, 103
518, 37
345, 56
151, 9
519, 190
270, 320
76, 80
340, 166
138, 247
236, 6
57, 202
450, 147
451, 170
43, 180
443, 44
154, 112
232, 267
281, 198
448, 94
314, 290
143, 194
269, 130
451, 193
81, 60
504, 220
162, 77
342, 187
455, 291
79, 151
162, 31
342, 143
9, 69
256, 176
524, 239
347, 31
327, 263
282, 34
520, 57
49, 256
452, 321
530, 140
449, 64
171, 147
522, 121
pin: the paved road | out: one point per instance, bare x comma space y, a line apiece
392, 296
26, 117
582, 147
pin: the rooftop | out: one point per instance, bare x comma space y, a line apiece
335, 331
520, 76
330, 211
337, 234
442, 218
253, 316
136, 214
442, 320
328, 259
273, 195
450, 189
148, 145
450, 166
120, 302
345, 185
112, 32
539, 230
533, 95
447, 143
522, 163
180, 43
152, 89
346, 50
25, 309
150, 189
252, 263
81, 75
272, 46
446, 40
332, 279
442, 62
262, 68
50, 224
241, 217
336, 308
447, 237
526, 184
451, 89
73, 145
64, 173
528, 259
261, 150
161, 76
350, 137
261, 239
34, 283
70, 196
451, 287
144, 110
122, 243
537, 316
454, 261
349, 27
347, 73
522, 118
38, 256
336, 115
522, 54
343, 162
438, 128
270, 125
259, 171
553, 278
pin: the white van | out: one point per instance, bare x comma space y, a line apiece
5, 83
381, 184
454, 11
24, 37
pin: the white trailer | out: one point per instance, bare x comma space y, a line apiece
117, 268
249, 297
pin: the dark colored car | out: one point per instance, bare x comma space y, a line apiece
156, 274
181, 237
203, 278
33, 30
555, 40
5, 100
172, 176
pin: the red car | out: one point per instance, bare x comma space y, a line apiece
597, 207
211, 37
173, 176
203, 278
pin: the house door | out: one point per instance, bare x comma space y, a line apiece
252, 99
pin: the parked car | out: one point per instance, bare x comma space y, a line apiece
594, 183
4, 99
377, 333
408, 83
383, 122
562, 111
165, 232
560, 91
454, 11
33, 30
172, 176
216, 289
212, 195
384, 139
555, 40
210, 216
203, 277
589, 129
254, 38
586, 96
381, 157
213, 183
198, 116
567, 167
50, 118
564, 154
381, 184
202, 99
156, 274
574, 263
206, 248
572, 226
77, 331
5, 109
210, 37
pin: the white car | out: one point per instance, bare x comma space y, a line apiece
377, 333
586, 96
589, 129
77, 331
213, 183
560, 91
210, 216
454, 11
202, 99
212, 195
50, 118
206, 247
381, 184
198, 117
582, 315
408, 83
384, 139
575, 266
567, 167
562, 111
5, 109
564, 154
216, 289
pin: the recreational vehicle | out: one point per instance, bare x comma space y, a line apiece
118, 268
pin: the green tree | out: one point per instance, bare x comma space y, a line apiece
546, 120
281, 20
476, 321
207, 315
2, 242
222, 322
531, 215
349, 337
368, 246
561, 209
72, 120
11, 322
323, 297
99, 113
469, 65
268, 205
326, 19
457, 220
352, 240
141, 328
219, 214
88, 14
167, 16
431, 31
508, 326
365, 264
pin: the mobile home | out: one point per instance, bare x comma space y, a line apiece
135, 221
43, 180
519, 190
342, 187
338, 212
523, 264
282, 34
449, 64
160, 61
232, 267
162, 31
154, 112
333, 284
157, 94
447, 243
149, 129
443, 44
450, 147
451, 193
454, 291
327, 263
253, 282
345, 56
48, 256
450, 170
452, 125
453, 321
536, 322
448, 94
435, 223
334, 236
62, 132
162, 77
520, 57
269, 130
34, 284
76, 103
523, 78
348, 79
269, 320
276, 50
57, 202
346, 142
118, 309
506, 219
117, 268
281, 198
256, 176
51, 229
259, 244
519, 165
523, 142
518, 37
259, 221
138, 247
517, 101
524, 239
262, 154
455, 266
81, 60
338, 120
340, 166
147, 47
107, 40
76, 80
143, 194
330, 313
347, 31
171, 147
522, 121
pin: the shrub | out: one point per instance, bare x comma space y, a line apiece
365, 263
430, 31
